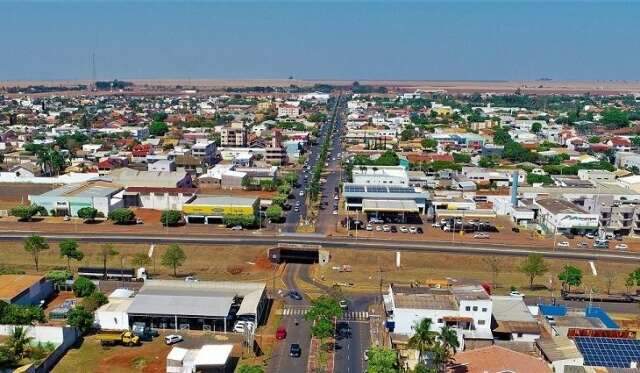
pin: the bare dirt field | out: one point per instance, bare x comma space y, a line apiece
451, 86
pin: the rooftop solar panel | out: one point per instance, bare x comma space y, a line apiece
376, 189
608, 352
401, 190
353, 188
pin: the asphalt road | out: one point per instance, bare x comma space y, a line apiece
280, 359
335, 242
294, 217
353, 338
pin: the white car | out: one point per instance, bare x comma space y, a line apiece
236, 228
481, 235
301, 193
378, 228
590, 236
241, 326
562, 244
413, 230
369, 227
386, 228
436, 225
622, 246
335, 212
336, 197
403, 229
173, 338
516, 293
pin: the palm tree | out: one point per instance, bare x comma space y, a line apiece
19, 342
424, 338
449, 338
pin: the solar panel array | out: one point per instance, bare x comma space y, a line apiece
395, 189
609, 352
376, 189
354, 188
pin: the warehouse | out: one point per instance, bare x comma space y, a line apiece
212, 209
202, 305
68, 199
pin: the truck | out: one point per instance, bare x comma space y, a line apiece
143, 331
112, 338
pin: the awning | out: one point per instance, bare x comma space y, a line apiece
458, 318
382, 205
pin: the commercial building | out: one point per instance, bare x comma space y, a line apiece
209, 209
380, 175
562, 216
202, 305
158, 198
357, 195
68, 199
467, 309
26, 290
128, 177
205, 151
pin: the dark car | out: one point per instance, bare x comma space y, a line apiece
295, 350
295, 295
419, 230
394, 229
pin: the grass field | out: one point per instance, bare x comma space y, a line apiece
371, 266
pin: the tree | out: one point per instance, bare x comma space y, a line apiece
170, 217
323, 308
609, 279
250, 369
449, 339
19, 342
106, 251
461, 158
322, 329
536, 127
158, 128
614, 118
533, 267
570, 276
26, 212
501, 136
122, 216
382, 360
94, 300
140, 260
594, 139
486, 162
635, 140
70, 250
83, 287
274, 212
495, 264
231, 220
173, 257
428, 143
34, 245
80, 318
423, 338
88, 213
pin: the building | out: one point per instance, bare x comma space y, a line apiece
163, 165
380, 175
209, 209
560, 353
208, 358
68, 199
627, 160
205, 151
512, 320
128, 177
289, 111
368, 198
562, 216
486, 176
467, 309
201, 305
158, 198
496, 359
25, 290
596, 175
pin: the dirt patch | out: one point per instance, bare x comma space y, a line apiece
148, 216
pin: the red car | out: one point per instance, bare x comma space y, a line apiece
281, 333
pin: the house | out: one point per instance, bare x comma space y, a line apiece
559, 352
25, 290
512, 320
627, 160
205, 150
496, 359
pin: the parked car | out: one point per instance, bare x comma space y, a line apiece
481, 235
590, 236
378, 228
562, 244
369, 227
301, 194
413, 230
403, 229
366, 355
622, 246
236, 228
335, 212
173, 338
295, 350
376, 221
583, 244
516, 293
436, 225
394, 229
241, 326
386, 228
515, 229
419, 230
281, 333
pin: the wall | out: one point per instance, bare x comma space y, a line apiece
112, 320
478, 314
37, 292
405, 319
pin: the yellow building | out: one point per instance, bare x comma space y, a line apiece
208, 209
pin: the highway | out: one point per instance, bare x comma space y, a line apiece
336, 242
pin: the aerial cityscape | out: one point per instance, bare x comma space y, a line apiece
322, 186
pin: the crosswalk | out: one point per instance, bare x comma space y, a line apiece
348, 315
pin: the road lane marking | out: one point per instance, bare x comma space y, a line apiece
593, 268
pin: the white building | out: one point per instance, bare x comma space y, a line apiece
386, 175
288, 111
562, 216
466, 309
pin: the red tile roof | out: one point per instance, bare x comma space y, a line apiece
495, 359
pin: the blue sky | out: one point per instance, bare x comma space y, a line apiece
350, 40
